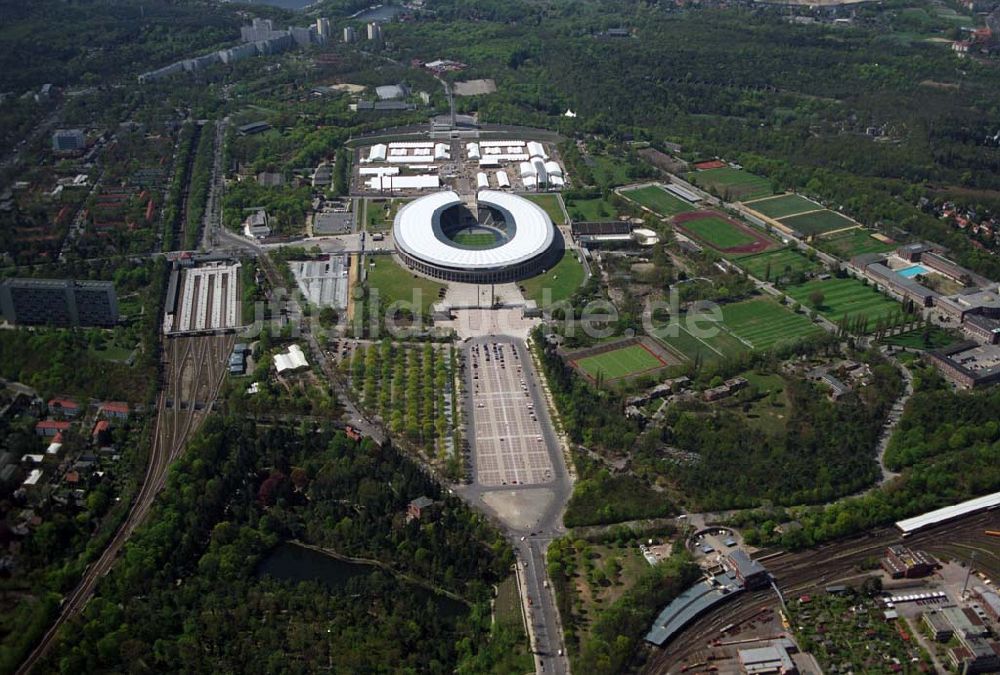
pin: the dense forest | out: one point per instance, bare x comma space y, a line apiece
935, 471
827, 449
187, 595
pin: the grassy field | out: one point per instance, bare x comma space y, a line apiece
785, 205
733, 184
475, 239
767, 413
395, 283
562, 280
846, 298
854, 242
655, 198
818, 222
714, 346
764, 323
379, 213
933, 338
550, 203
782, 262
608, 171
591, 210
619, 363
718, 232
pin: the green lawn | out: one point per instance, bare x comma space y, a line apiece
766, 413
395, 283
854, 242
608, 171
785, 205
932, 338
379, 213
717, 232
712, 344
764, 323
818, 222
846, 298
732, 184
655, 198
562, 281
772, 265
618, 363
591, 210
475, 239
550, 203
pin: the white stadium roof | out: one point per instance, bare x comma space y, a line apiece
417, 231
948, 512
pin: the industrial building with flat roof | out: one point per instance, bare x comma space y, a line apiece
902, 563
968, 364
59, 302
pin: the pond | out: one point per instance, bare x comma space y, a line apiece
294, 563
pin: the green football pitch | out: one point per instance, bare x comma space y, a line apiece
656, 199
620, 363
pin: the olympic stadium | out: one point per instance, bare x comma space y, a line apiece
495, 237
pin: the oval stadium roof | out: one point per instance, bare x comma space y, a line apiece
417, 231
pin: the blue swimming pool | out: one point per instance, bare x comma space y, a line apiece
912, 271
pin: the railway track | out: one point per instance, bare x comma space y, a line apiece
796, 573
194, 372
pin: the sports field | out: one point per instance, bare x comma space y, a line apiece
475, 239
701, 341
854, 242
618, 363
732, 184
846, 298
784, 205
656, 199
817, 222
764, 323
550, 204
772, 265
721, 233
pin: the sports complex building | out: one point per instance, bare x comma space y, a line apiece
495, 237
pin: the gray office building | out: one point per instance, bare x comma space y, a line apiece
59, 302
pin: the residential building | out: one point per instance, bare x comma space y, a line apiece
118, 410
350, 35
417, 507
64, 406
59, 302
375, 31
323, 29
69, 140
50, 427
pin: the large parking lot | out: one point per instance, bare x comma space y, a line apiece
509, 443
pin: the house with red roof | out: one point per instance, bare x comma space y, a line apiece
50, 427
100, 427
114, 409
66, 406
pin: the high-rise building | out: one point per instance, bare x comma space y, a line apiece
350, 35
258, 30
374, 31
323, 29
303, 36
59, 302
68, 140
